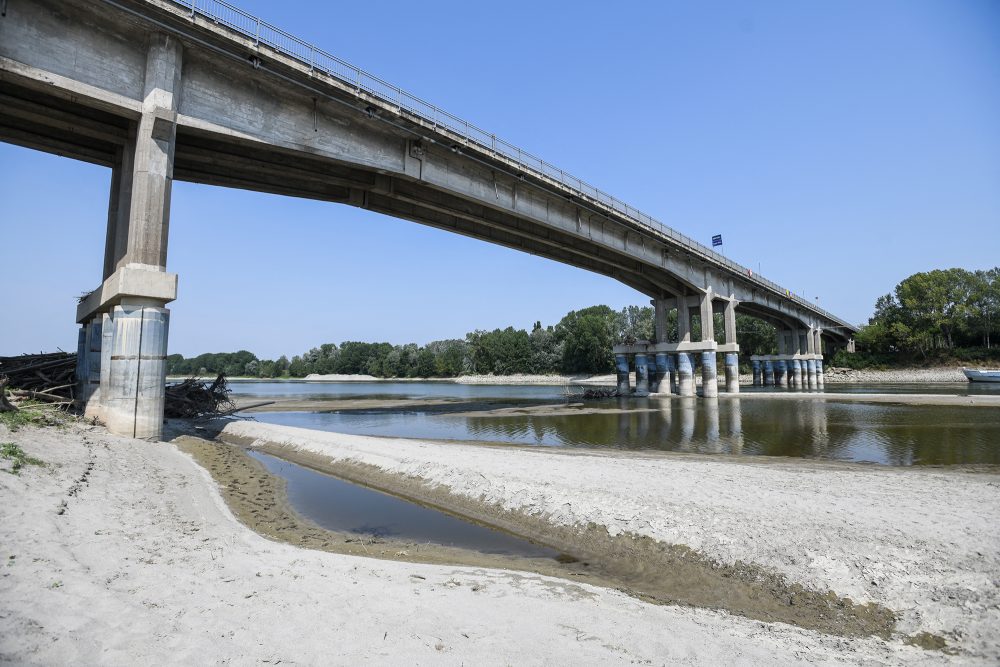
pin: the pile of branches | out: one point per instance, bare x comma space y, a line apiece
50, 378
596, 393
195, 398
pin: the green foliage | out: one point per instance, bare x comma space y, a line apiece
754, 335
587, 337
934, 311
24, 416
13, 453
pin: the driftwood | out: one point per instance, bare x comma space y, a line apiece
595, 393
194, 398
5, 405
51, 378
51, 374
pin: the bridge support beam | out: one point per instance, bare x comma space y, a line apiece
758, 378
124, 321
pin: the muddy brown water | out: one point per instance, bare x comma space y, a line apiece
638, 566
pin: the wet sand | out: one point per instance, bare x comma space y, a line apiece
664, 574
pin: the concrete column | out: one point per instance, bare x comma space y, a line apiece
709, 375
819, 372
621, 367
729, 320
683, 320
661, 373
811, 371
133, 402
732, 373
88, 364
641, 375
134, 344
757, 377
685, 374
152, 175
780, 373
707, 317
797, 373
768, 373
672, 372
120, 205
82, 366
107, 346
660, 320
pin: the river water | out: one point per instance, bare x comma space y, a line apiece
890, 434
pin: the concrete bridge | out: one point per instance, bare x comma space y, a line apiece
199, 91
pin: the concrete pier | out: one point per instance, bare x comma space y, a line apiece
709, 375
133, 404
819, 372
672, 372
811, 371
732, 361
621, 367
768, 373
780, 373
796, 373
758, 378
661, 364
641, 375
685, 374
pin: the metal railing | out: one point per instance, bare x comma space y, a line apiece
263, 33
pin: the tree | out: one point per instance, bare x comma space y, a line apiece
587, 337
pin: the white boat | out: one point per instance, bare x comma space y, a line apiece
981, 376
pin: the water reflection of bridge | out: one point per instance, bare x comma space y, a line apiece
680, 424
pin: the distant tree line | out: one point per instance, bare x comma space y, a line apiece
581, 343
936, 311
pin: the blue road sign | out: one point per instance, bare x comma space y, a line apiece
717, 240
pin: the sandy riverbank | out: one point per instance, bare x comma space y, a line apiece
125, 552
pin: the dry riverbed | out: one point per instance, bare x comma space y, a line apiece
119, 551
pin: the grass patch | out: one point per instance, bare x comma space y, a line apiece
13, 453
30, 413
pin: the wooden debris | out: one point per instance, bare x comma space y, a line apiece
52, 375
195, 398
5, 405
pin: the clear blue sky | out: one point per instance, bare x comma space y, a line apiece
840, 146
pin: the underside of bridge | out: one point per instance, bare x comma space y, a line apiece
157, 92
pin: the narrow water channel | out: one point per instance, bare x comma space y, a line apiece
345, 507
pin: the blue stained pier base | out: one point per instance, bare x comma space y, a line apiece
709, 375
621, 366
732, 373
757, 376
780, 372
672, 372
768, 373
685, 374
641, 375
811, 371
795, 373
819, 372
661, 372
